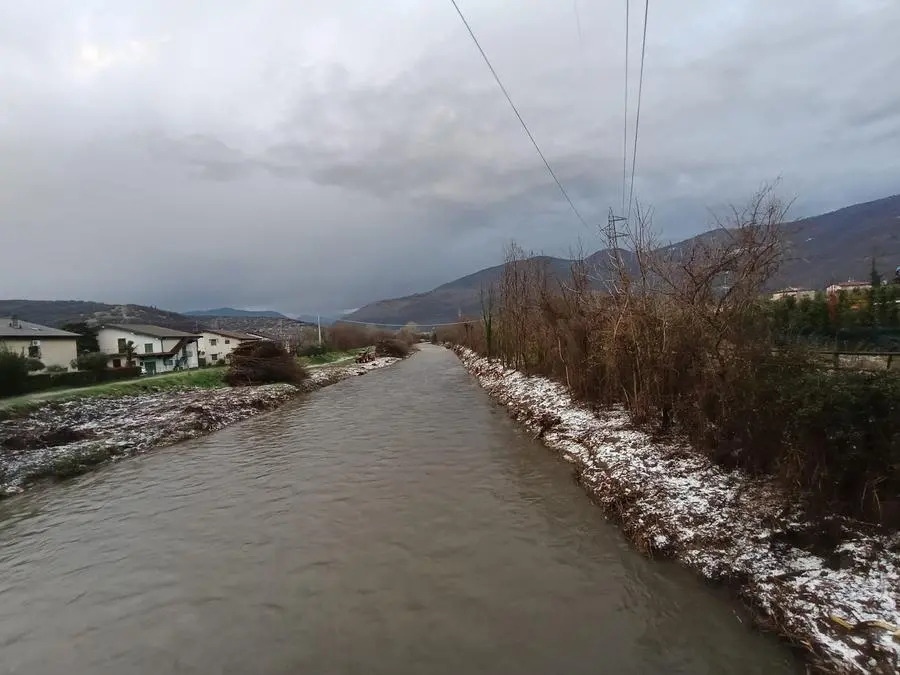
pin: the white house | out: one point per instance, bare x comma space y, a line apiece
50, 346
848, 286
217, 345
793, 292
156, 349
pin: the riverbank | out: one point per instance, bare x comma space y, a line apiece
832, 588
59, 439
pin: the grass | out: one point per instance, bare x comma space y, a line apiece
204, 378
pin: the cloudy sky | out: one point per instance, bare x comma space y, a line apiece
320, 155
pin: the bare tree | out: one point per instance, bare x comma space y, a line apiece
487, 298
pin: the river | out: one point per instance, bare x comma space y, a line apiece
396, 523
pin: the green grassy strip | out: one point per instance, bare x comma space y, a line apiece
327, 357
204, 378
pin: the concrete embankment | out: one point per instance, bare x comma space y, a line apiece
830, 586
62, 439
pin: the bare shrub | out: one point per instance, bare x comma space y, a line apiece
263, 362
683, 338
394, 347
346, 336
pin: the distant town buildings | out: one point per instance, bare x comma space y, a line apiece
848, 286
793, 293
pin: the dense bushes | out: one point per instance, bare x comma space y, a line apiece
313, 350
13, 373
842, 439
867, 319
95, 362
263, 362
346, 336
15, 379
683, 340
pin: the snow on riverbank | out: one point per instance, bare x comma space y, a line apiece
832, 588
60, 439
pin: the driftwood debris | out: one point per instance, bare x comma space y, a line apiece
366, 356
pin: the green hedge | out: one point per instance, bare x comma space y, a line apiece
13, 373
842, 441
80, 378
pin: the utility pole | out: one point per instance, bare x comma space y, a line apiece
319, 322
612, 237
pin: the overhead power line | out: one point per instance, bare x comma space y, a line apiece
578, 24
637, 120
625, 129
516, 111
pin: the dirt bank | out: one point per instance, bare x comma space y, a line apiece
832, 588
61, 439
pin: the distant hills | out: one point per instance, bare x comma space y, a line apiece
231, 311
445, 302
58, 312
821, 249
839, 245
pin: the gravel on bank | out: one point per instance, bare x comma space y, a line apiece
831, 587
62, 439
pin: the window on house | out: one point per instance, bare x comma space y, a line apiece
148, 347
227, 342
214, 357
122, 344
214, 341
117, 363
167, 362
34, 352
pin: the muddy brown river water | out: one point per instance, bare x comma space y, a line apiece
396, 523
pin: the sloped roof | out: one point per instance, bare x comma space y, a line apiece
851, 282
237, 335
32, 331
152, 331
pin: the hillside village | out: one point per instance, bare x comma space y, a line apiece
151, 349
148, 349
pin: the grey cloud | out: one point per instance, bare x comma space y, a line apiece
328, 155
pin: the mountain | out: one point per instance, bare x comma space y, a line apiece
58, 312
840, 245
821, 249
446, 302
230, 311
